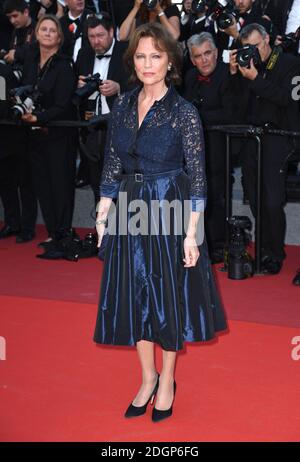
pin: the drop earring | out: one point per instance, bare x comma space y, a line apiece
169, 66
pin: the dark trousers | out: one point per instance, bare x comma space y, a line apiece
215, 207
94, 147
17, 191
274, 151
53, 162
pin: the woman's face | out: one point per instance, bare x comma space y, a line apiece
47, 35
151, 64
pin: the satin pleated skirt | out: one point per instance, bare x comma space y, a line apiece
146, 293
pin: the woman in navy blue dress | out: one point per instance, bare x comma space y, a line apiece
157, 284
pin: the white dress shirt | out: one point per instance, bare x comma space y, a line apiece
293, 21
101, 66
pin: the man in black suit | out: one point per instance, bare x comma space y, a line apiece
104, 55
248, 12
288, 20
264, 97
206, 87
72, 24
17, 11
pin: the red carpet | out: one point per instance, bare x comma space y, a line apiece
57, 385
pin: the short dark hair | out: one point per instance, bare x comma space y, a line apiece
94, 20
15, 5
254, 27
163, 41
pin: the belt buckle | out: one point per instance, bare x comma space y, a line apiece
138, 177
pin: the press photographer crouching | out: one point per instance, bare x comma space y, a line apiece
261, 86
52, 149
101, 78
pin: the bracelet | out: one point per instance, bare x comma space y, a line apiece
101, 222
161, 13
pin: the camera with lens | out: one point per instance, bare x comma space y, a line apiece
245, 54
150, 4
240, 263
85, 248
199, 6
223, 12
2, 54
16, 68
290, 41
91, 85
26, 100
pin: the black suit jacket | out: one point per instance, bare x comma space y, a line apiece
213, 101
116, 71
268, 100
69, 37
283, 10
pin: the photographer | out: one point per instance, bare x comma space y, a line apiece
206, 86
105, 57
263, 97
52, 149
72, 24
288, 24
196, 20
16, 186
17, 11
40, 7
145, 11
245, 12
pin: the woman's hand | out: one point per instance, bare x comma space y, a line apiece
158, 8
100, 231
191, 252
29, 118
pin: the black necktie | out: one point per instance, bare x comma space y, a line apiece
103, 56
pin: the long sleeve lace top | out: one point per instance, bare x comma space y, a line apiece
169, 138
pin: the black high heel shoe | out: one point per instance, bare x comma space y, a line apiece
136, 411
158, 415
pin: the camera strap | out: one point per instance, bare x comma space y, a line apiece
272, 61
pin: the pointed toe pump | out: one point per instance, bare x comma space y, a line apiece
136, 411
158, 415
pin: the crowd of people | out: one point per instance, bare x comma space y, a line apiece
240, 59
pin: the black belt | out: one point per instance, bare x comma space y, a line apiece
140, 177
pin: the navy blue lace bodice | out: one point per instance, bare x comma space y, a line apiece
170, 137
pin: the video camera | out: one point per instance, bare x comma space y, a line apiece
26, 99
246, 53
240, 263
92, 85
223, 12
